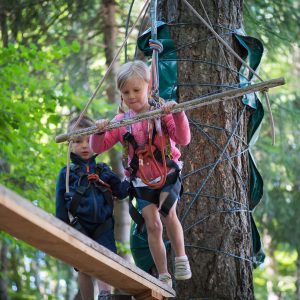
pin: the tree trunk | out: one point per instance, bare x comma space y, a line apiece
3, 270
122, 218
270, 267
14, 264
214, 209
3, 26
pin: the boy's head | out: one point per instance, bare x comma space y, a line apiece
80, 145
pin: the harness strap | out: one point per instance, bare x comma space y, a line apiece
80, 191
147, 151
152, 195
76, 199
176, 191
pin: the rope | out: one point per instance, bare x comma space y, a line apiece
157, 48
213, 167
221, 48
68, 167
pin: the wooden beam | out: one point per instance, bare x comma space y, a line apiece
195, 103
21, 219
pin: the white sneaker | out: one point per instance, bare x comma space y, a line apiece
165, 278
182, 269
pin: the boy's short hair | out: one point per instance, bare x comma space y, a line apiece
84, 123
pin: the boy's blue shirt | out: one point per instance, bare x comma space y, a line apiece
93, 208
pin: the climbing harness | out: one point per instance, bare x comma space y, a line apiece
92, 179
152, 190
148, 150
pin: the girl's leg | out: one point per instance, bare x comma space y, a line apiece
174, 231
86, 286
154, 230
175, 234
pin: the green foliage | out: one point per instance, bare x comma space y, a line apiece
123, 248
32, 91
281, 272
275, 22
47, 74
278, 213
49, 68
30, 82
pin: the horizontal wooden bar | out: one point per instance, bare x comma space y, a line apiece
195, 103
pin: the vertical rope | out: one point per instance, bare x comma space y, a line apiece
68, 167
154, 66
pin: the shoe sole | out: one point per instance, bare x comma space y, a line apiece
189, 276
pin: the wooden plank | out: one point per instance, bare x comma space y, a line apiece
21, 219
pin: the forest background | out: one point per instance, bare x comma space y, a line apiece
51, 60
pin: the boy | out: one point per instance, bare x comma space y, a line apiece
88, 206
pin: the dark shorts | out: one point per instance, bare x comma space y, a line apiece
142, 203
106, 239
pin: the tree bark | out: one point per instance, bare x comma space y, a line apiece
3, 26
214, 209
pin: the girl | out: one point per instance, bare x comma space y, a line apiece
153, 174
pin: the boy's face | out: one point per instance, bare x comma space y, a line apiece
81, 147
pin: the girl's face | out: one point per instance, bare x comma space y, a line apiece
81, 147
135, 94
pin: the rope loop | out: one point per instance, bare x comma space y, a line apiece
156, 45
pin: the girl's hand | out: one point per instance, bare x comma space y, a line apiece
101, 124
167, 106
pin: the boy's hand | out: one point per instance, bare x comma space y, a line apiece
167, 106
101, 124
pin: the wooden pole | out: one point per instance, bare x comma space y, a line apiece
195, 103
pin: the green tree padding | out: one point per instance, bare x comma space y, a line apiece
252, 54
167, 63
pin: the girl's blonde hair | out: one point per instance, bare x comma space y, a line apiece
136, 68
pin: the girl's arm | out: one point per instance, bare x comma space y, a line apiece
119, 188
101, 142
177, 125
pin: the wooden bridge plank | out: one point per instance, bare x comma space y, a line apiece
21, 219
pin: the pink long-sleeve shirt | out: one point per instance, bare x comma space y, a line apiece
178, 129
